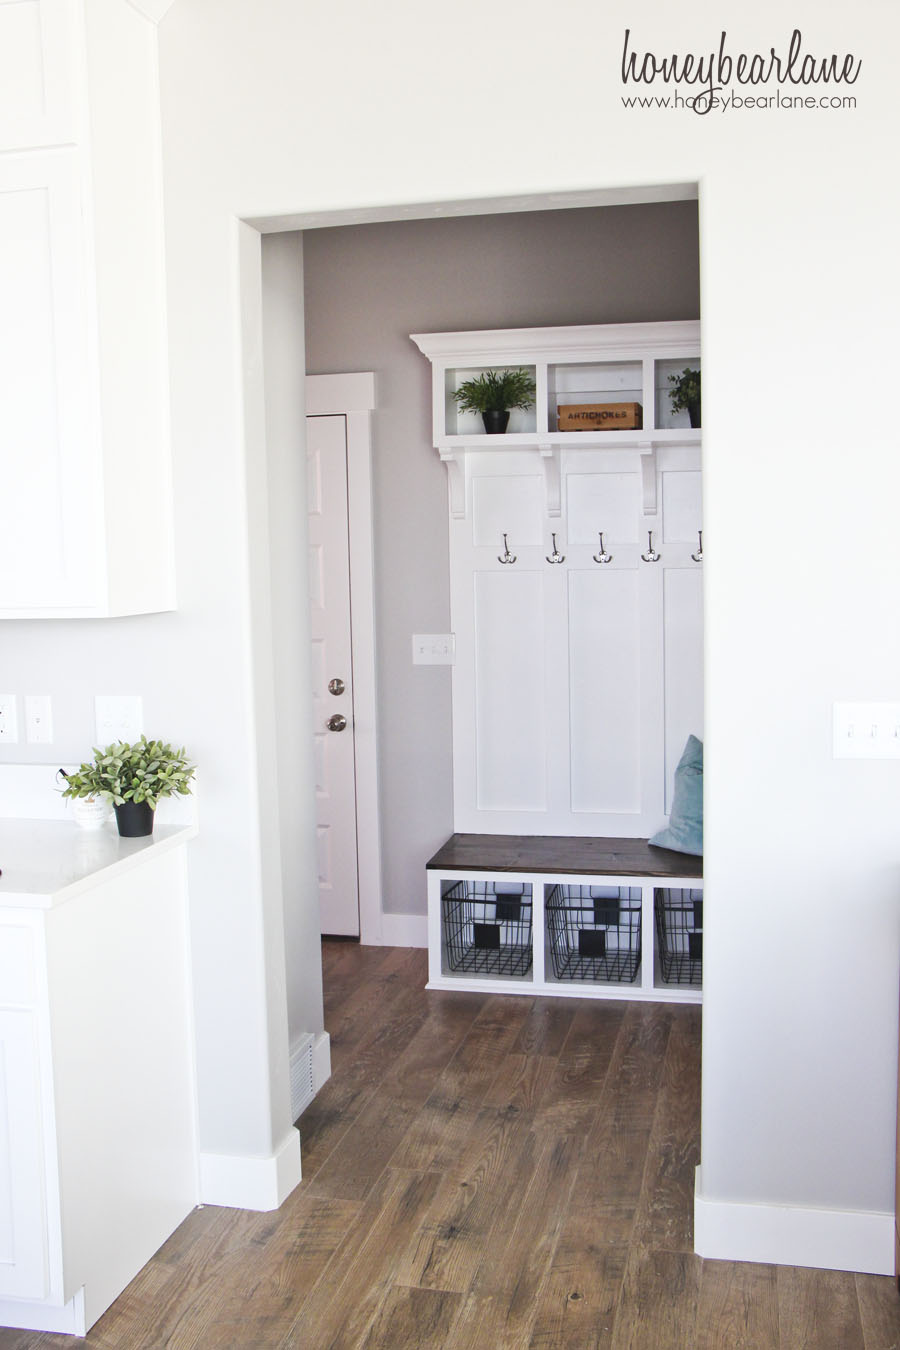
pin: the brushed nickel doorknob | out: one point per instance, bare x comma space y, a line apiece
336, 722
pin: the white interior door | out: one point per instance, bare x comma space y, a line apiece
332, 675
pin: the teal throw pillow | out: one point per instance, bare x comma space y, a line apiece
684, 832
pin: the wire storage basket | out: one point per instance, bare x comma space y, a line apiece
595, 932
487, 927
679, 934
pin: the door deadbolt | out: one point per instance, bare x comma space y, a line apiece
336, 686
336, 722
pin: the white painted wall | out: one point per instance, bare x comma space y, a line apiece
277, 108
286, 108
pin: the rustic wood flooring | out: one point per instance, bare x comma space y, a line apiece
484, 1173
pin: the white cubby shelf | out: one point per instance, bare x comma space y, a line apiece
488, 917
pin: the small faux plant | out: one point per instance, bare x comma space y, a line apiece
496, 391
142, 772
685, 391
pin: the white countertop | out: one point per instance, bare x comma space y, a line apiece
47, 862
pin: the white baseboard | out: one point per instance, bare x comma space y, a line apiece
786, 1235
310, 1068
26, 1316
251, 1183
321, 1060
404, 930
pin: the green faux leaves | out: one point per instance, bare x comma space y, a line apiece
142, 772
496, 391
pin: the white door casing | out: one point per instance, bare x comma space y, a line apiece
332, 675
349, 399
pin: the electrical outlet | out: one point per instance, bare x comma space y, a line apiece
38, 719
866, 731
434, 649
118, 717
9, 719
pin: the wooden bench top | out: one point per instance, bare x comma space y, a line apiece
562, 854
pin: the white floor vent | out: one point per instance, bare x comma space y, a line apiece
303, 1087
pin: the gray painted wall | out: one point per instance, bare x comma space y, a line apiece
367, 287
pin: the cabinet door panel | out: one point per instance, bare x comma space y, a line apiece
510, 702
35, 83
51, 542
683, 607
23, 1268
604, 690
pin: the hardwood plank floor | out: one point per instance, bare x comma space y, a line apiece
484, 1173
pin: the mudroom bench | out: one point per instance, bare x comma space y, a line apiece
576, 917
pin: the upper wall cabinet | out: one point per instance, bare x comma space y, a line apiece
595, 385
84, 416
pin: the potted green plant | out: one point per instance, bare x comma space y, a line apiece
494, 393
685, 394
134, 778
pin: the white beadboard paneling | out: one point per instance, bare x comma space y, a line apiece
510, 711
682, 506
683, 629
603, 501
512, 505
604, 690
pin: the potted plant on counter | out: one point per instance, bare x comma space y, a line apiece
685, 394
494, 393
134, 778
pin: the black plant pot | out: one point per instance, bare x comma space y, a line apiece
694, 413
134, 819
495, 420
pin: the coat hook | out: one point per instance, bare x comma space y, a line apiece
698, 556
602, 556
506, 556
555, 556
651, 555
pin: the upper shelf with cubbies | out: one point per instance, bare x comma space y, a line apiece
622, 368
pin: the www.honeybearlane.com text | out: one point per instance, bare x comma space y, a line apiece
714, 71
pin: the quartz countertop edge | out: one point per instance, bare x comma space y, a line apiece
46, 863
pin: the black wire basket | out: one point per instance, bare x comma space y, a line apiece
595, 932
487, 927
679, 934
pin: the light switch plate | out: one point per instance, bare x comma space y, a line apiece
38, 719
866, 731
433, 649
118, 717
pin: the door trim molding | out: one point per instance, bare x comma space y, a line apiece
353, 396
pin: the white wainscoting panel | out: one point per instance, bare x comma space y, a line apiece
511, 506
683, 636
510, 692
682, 506
610, 502
604, 690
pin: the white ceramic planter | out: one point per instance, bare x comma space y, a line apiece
91, 813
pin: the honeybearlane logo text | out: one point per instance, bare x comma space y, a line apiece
713, 72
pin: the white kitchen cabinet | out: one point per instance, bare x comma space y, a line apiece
84, 417
98, 1154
